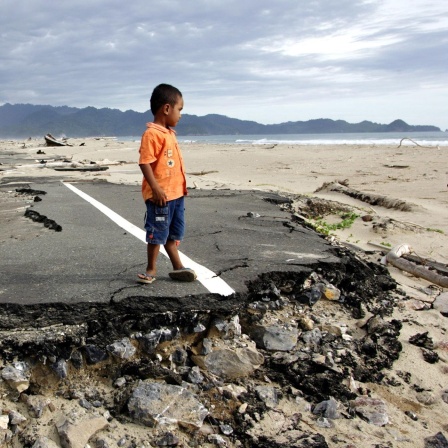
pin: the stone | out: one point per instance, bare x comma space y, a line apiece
4, 420
16, 418
179, 356
328, 409
120, 382
77, 434
122, 349
230, 364
150, 341
94, 354
437, 441
61, 368
268, 395
36, 404
195, 376
217, 440
168, 439
154, 404
441, 303
44, 442
17, 377
226, 329
275, 337
371, 409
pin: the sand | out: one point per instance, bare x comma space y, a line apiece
416, 175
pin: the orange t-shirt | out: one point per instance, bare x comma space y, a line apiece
160, 149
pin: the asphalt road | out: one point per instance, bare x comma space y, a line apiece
93, 259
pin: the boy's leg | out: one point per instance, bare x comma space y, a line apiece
173, 253
180, 272
152, 251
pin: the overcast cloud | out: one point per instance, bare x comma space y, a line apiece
267, 61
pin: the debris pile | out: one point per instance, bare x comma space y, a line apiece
276, 367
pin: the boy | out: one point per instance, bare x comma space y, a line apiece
164, 184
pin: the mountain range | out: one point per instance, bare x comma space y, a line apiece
27, 120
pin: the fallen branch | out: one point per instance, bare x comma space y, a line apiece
410, 139
394, 258
372, 199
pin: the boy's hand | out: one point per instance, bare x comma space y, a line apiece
158, 196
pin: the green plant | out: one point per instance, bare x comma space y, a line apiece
324, 227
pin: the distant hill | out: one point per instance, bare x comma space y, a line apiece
27, 120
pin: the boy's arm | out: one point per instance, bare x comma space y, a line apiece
158, 195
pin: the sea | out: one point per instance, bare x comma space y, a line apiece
424, 139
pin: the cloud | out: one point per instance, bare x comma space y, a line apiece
260, 60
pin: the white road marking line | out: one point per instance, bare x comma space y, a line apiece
207, 277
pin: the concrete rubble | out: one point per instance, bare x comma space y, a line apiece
283, 366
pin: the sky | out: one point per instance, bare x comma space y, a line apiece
266, 61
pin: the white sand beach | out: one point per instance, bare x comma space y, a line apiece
416, 176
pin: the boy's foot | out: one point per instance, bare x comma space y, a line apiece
183, 275
145, 278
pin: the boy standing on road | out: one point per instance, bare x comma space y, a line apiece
164, 184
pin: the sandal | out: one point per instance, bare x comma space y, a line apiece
183, 275
145, 278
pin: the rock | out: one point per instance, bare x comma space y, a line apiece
328, 409
426, 398
179, 356
4, 420
61, 368
422, 340
122, 349
441, 303
120, 382
44, 442
168, 439
377, 325
94, 354
371, 409
76, 435
17, 377
430, 356
312, 338
225, 329
36, 404
226, 429
230, 364
217, 440
445, 396
151, 340
268, 395
16, 418
76, 359
165, 404
195, 376
437, 441
275, 338
330, 292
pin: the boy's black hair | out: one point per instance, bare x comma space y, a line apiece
164, 94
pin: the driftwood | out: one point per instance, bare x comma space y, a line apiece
52, 141
415, 143
394, 258
372, 199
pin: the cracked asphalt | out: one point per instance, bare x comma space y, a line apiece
236, 234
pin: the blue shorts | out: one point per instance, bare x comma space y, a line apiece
165, 223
